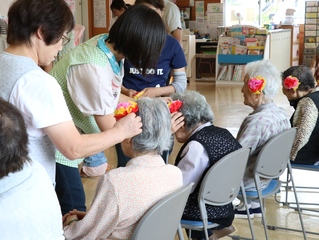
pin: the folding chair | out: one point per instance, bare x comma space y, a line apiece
162, 221
220, 186
271, 163
291, 204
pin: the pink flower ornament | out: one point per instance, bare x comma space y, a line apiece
256, 84
124, 108
291, 82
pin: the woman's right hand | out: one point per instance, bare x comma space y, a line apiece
177, 120
130, 125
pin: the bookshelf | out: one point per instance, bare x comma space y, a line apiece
311, 39
241, 44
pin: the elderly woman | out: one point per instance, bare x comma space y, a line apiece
125, 194
261, 83
203, 145
299, 86
26, 193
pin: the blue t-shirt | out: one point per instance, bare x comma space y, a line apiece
172, 57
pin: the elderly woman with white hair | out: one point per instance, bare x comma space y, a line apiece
203, 145
124, 194
261, 82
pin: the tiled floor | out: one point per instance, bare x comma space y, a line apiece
229, 110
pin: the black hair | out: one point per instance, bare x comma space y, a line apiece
159, 4
26, 17
119, 4
13, 139
139, 34
304, 76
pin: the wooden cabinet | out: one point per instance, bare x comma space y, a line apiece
294, 55
185, 3
205, 59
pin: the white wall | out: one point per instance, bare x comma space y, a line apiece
4, 6
81, 14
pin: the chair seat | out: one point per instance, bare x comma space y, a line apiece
194, 223
272, 188
197, 225
305, 167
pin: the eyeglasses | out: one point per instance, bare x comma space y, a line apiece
65, 40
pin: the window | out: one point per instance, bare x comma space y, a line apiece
271, 11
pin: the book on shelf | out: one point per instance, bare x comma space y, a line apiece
222, 73
229, 74
238, 72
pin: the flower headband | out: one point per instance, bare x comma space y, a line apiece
256, 84
291, 82
124, 108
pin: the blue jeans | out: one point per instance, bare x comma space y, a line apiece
69, 189
95, 160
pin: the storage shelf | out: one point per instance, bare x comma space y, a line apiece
238, 59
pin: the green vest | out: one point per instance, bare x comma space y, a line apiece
86, 53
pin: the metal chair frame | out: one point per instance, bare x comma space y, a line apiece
210, 193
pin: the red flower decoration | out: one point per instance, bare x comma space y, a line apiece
256, 84
124, 108
174, 106
291, 82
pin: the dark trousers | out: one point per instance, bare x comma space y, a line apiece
69, 189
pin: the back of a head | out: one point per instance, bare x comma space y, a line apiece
158, 4
268, 71
118, 5
156, 130
13, 139
195, 108
26, 17
304, 76
139, 34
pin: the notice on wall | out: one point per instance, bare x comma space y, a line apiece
199, 14
99, 11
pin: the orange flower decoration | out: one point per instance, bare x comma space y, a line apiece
256, 84
124, 108
291, 82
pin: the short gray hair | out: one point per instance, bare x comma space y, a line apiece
269, 72
195, 108
156, 130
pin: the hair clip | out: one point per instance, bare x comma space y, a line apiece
257, 84
291, 82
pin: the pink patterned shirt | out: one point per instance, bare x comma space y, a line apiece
123, 196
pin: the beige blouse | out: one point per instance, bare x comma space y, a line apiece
123, 196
